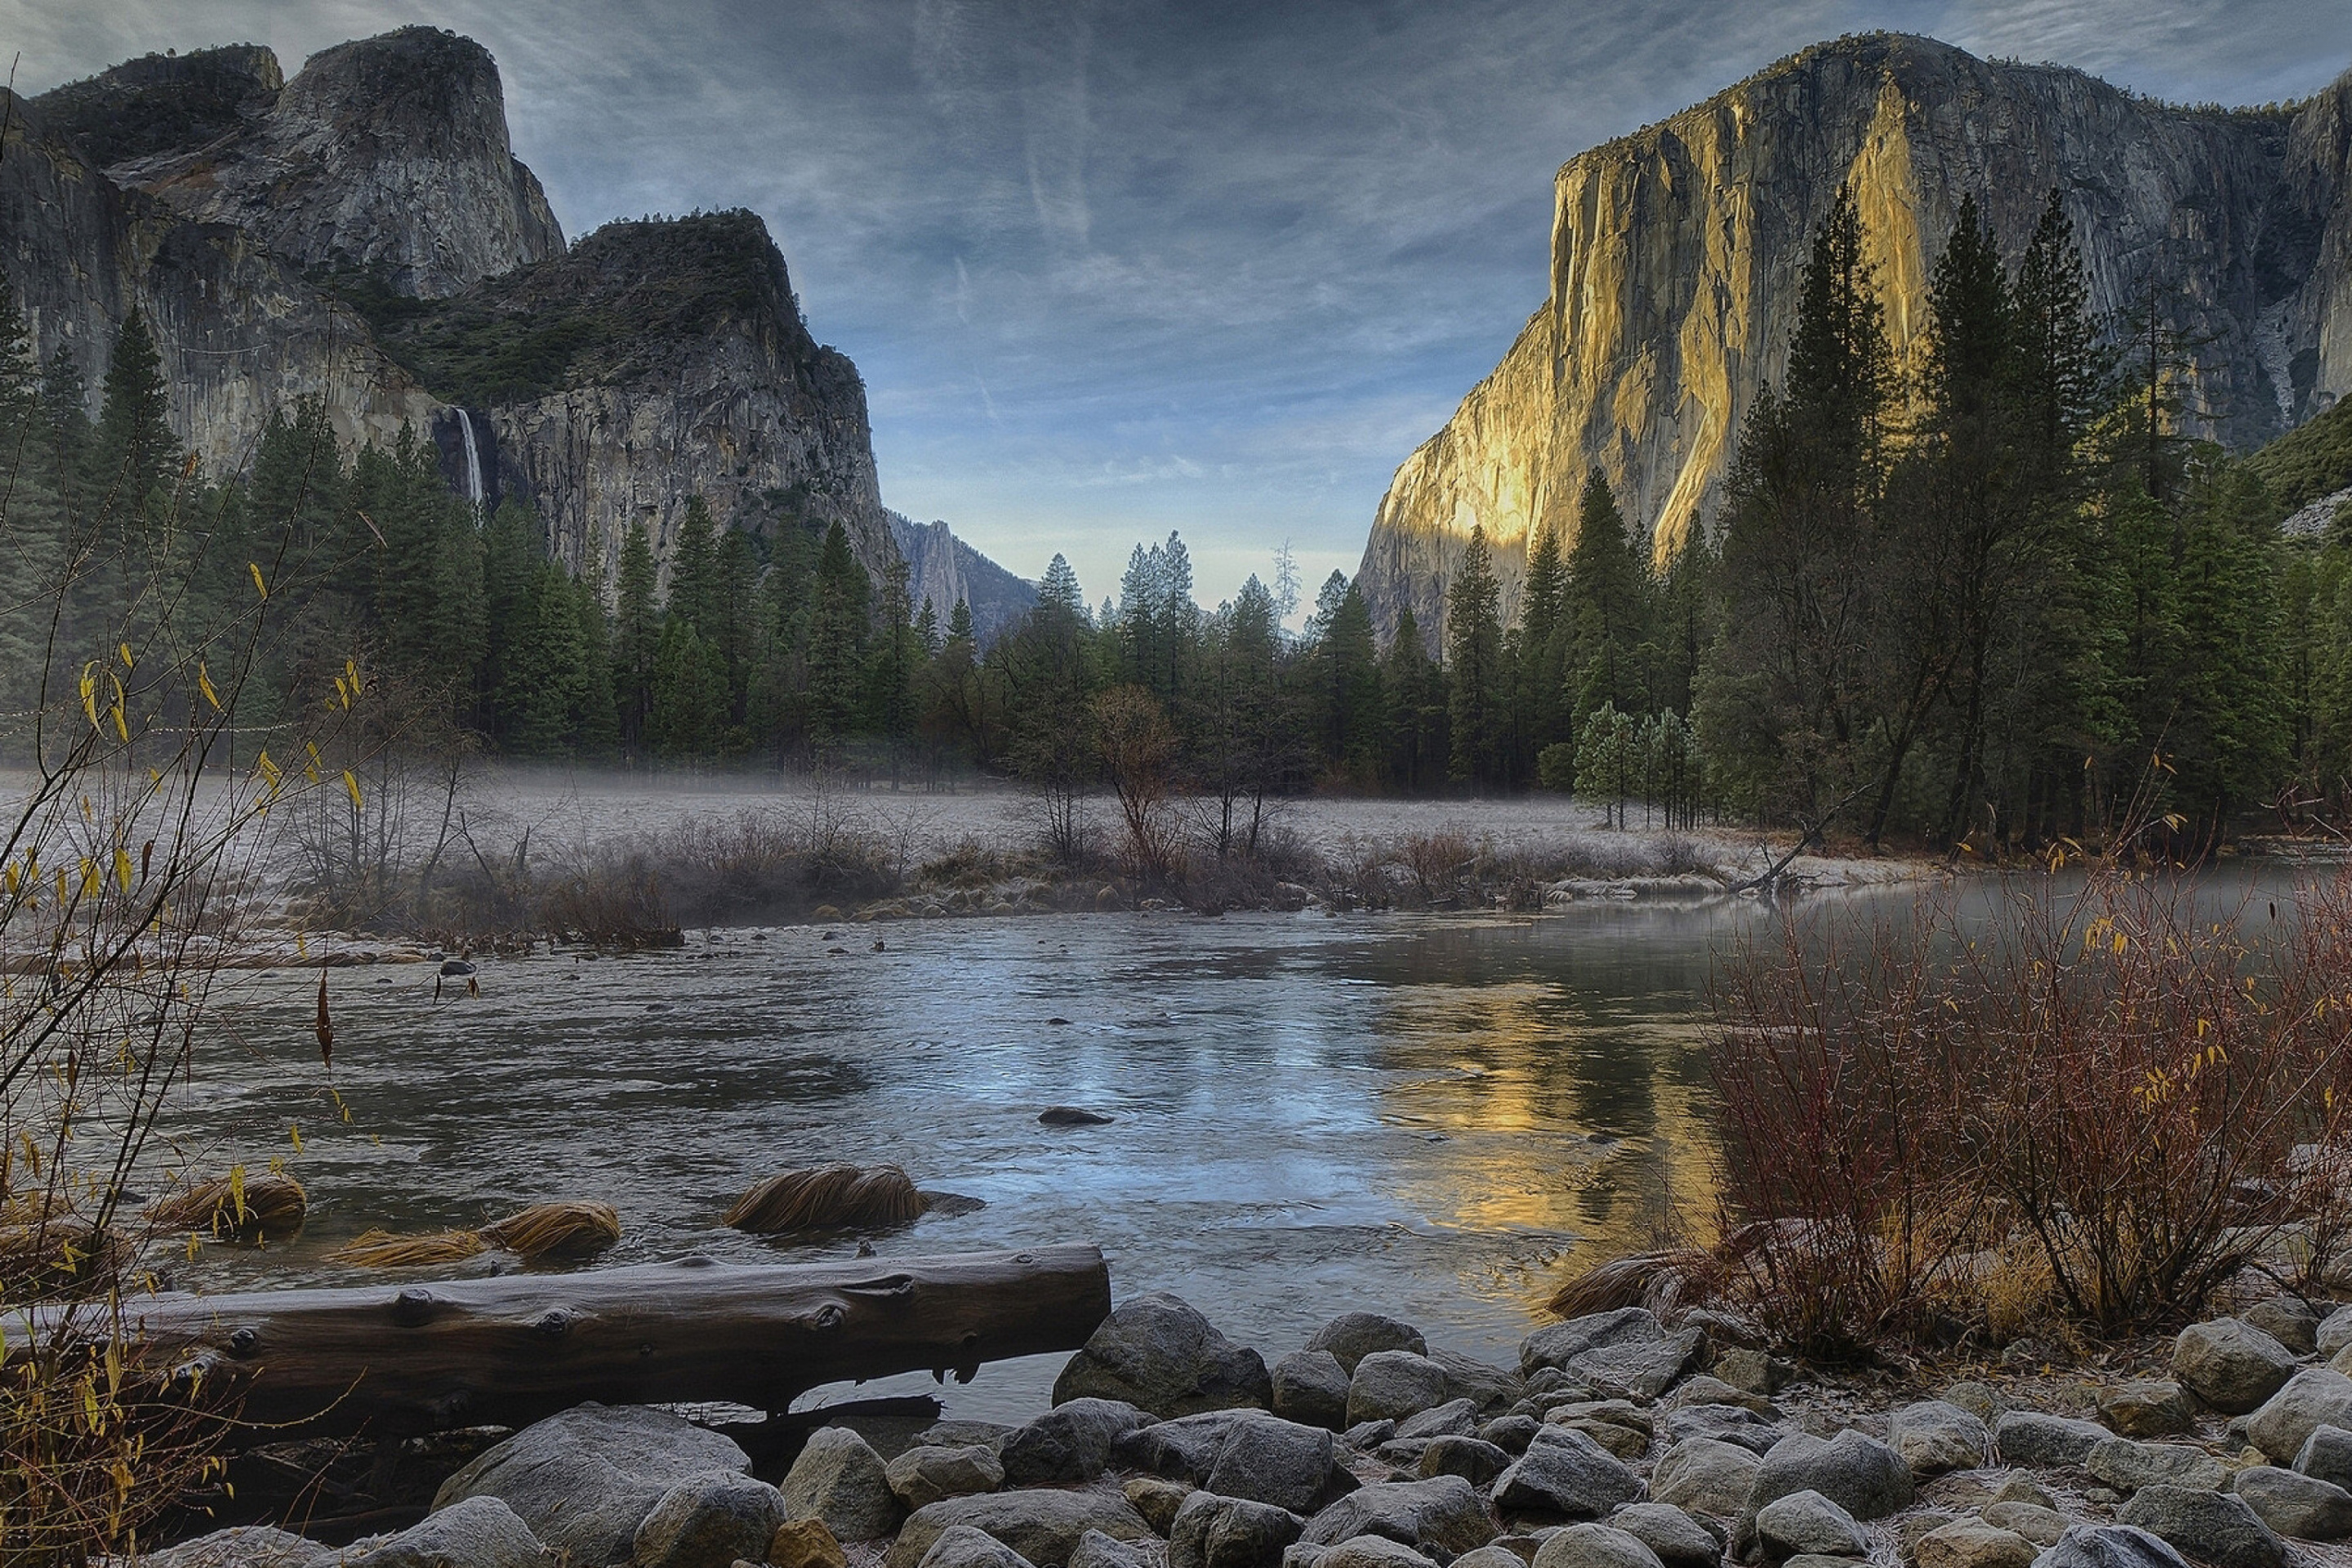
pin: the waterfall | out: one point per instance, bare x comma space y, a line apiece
473, 460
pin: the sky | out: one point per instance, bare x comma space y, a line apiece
1115, 267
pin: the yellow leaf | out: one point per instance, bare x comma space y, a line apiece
352, 784
127, 662
296, 1133
205, 685
122, 867
259, 587
120, 728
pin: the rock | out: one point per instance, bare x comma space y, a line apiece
1158, 1353
1071, 1442
2315, 1397
1455, 1417
840, 1479
2291, 1322
1622, 1413
2230, 1365
1814, 1560
1157, 1499
2030, 1438
1561, 1343
1912, 1526
1622, 1442
1981, 1400
244, 1546
1358, 1551
2297, 1505
1389, 1385
2148, 1408
2109, 1546
805, 1543
709, 1522
1441, 1518
479, 1532
920, 1477
2127, 1466
584, 1480
1705, 1389
1566, 1473
1096, 1550
989, 1435
1858, 1473
1368, 1434
1640, 1368
1474, 1460
1351, 1336
1073, 1116
1490, 1388
1677, 1540
1726, 1424
1750, 1371
1705, 1476
1213, 1532
961, 1546
2326, 1455
1042, 1526
1594, 1546
1492, 1556
1247, 1453
1512, 1433
2218, 1528
1312, 1388
2021, 1488
1935, 1436
2334, 1335
1806, 1523
1973, 1543
2040, 1524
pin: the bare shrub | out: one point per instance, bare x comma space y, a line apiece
1438, 863
1138, 753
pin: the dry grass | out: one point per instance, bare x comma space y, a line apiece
826, 1196
230, 1208
1665, 1281
543, 1232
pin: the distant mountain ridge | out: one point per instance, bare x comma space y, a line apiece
946, 571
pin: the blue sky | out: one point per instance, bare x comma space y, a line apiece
1113, 268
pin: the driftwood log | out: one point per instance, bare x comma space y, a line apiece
398, 1360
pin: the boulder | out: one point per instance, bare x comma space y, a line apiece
1638, 1369
989, 1435
705, 1522
1622, 1442
1750, 1371
2021, 1487
2148, 1408
1213, 1532
2109, 1546
805, 1543
1706, 1389
2039, 1523
1512, 1433
1351, 1336
1725, 1424
1391, 1385
1455, 1417
1705, 1476
1490, 1388
2315, 1397
1312, 1388
2334, 1335
1933, 1435
1594, 1546
920, 1477
1981, 1400
1158, 1353
1442, 1518
1857, 1473
1368, 1434
479, 1532
1071, 1442
2030, 1438
244, 1546
1567, 1474
2289, 1321
840, 1479
2230, 1365
1677, 1540
2297, 1505
1973, 1543
584, 1480
961, 1546
1358, 1552
2127, 1466
1806, 1523
2218, 1528
1561, 1343
1042, 1526
2326, 1455
1247, 1453
1156, 1500
1495, 1555
1096, 1550
1474, 1460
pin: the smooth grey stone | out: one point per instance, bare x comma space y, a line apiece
2335, 1333
1391, 1385
1972, 1544
1071, 1442
1725, 1424
1358, 1551
482, 1533
1705, 1476
1042, 1526
2148, 1408
1567, 1473
1451, 1454
1981, 1400
2230, 1365
2042, 1526
243, 1546
1213, 1532
839, 1479
1096, 1550
2298, 1505
923, 1476
1511, 1432
1158, 1353
1855, 1471
1248, 1454
705, 1522
1640, 1370
1935, 1436
1555, 1346
2110, 1546
1678, 1539
1368, 1434
2291, 1322
2315, 1397
1351, 1336
1490, 1388
1311, 1387
2326, 1455
2128, 1465
2218, 1528
1594, 1546
961, 1546
990, 1435
1806, 1523
1443, 1517
1455, 1417
2030, 1438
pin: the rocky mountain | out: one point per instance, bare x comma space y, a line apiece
1676, 252
946, 571
364, 234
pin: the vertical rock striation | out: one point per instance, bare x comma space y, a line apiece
1676, 253
945, 570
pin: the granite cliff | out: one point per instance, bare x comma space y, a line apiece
945, 570
1675, 253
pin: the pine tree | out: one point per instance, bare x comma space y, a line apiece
1058, 590
1419, 750
897, 667
1543, 644
837, 644
733, 630
1474, 648
636, 630
694, 570
136, 452
1602, 608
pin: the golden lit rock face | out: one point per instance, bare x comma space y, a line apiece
1676, 254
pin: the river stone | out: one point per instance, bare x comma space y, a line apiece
840, 1479
2128, 1465
1247, 1453
2022, 1487
1042, 1526
709, 1522
2326, 1455
2038, 1523
805, 1543
1981, 1400
1474, 1460
2030, 1438
1564, 1472
961, 1546
1156, 1500
1678, 1539
1973, 1543
989, 1435
1705, 1389
2335, 1333
1622, 1442
2230, 1365
1096, 1550
2297, 1505
1358, 1552
582, 1482
1642, 1369
1311, 1387
1751, 1371
2110, 1546
1934, 1436
1857, 1473
1594, 1546
1071, 1442
243, 1546
1442, 1518
1806, 1523
1391, 1385
1493, 1555
1561, 1343
1512, 1433
1725, 1424
1157, 1352
2291, 1322
479, 1532
2315, 1397
1368, 1434
2148, 1408
1706, 1477
2218, 1528
1351, 1336
1490, 1388
1455, 1417
1213, 1532
920, 1477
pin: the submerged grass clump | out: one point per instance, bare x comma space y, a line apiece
821, 1197
230, 1208
543, 1232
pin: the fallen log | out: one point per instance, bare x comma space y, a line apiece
396, 1361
